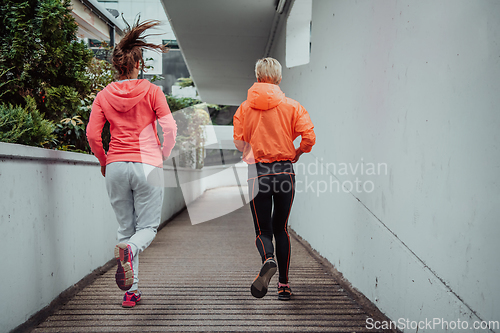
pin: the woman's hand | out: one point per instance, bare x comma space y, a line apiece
103, 170
298, 152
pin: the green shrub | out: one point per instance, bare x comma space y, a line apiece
40, 54
25, 125
179, 103
70, 131
100, 73
62, 100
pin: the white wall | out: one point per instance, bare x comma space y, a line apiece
57, 225
415, 85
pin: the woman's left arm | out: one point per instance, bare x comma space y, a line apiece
305, 128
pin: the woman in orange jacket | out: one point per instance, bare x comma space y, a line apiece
265, 126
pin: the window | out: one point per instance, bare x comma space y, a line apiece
171, 44
298, 33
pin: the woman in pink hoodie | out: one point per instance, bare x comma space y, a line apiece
135, 155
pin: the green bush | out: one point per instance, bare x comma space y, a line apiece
70, 131
25, 125
40, 55
62, 100
43, 71
178, 103
100, 73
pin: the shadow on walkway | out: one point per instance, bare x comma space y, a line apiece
197, 278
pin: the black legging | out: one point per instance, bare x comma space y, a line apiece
272, 201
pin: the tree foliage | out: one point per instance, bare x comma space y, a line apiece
70, 131
46, 71
41, 57
185, 82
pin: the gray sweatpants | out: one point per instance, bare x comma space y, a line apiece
137, 205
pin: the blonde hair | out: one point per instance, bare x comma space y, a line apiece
268, 70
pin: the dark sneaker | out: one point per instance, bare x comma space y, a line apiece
284, 292
261, 282
131, 299
124, 272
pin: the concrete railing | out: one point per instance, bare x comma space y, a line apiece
58, 225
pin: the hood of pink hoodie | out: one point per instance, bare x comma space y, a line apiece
123, 96
264, 96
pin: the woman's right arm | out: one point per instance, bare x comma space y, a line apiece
94, 130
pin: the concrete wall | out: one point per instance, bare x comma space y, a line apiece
413, 85
57, 225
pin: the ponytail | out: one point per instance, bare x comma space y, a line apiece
129, 50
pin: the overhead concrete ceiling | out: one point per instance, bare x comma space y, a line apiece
221, 40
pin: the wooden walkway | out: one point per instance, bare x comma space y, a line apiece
196, 278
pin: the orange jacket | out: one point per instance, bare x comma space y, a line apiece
266, 124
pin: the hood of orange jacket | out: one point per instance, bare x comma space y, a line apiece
264, 96
124, 95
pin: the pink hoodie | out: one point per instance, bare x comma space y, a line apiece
132, 108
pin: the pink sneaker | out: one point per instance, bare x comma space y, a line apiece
124, 272
130, 299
